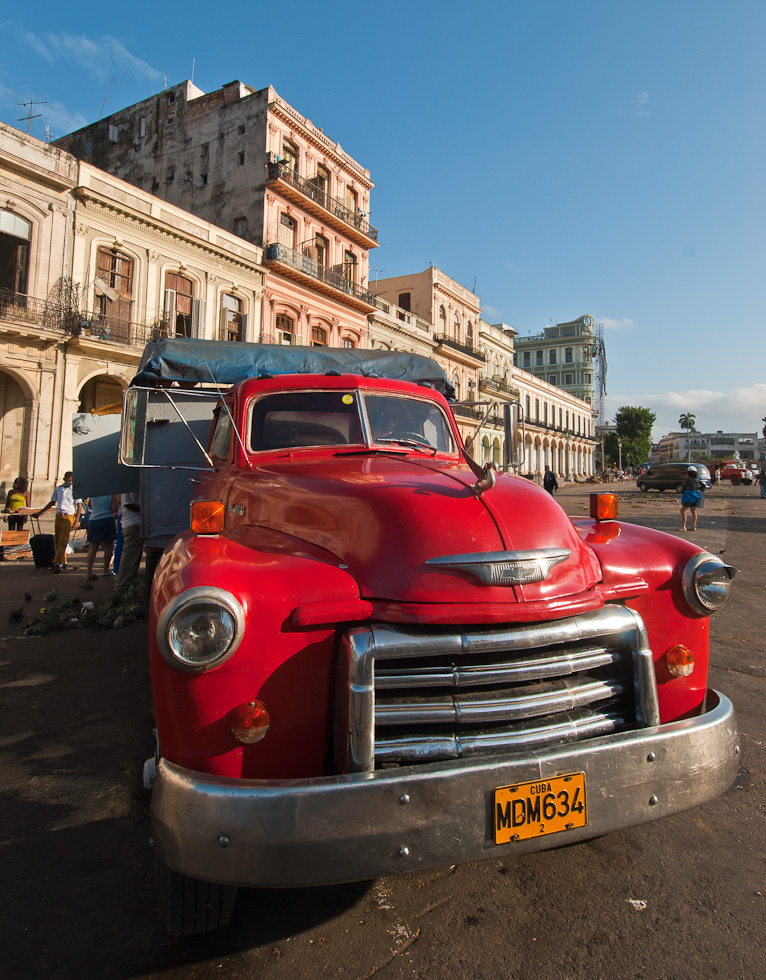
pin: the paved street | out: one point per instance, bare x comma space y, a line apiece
681, 899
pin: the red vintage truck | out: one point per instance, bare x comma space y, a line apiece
371, 655
735, 471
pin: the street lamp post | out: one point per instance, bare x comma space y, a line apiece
619, 453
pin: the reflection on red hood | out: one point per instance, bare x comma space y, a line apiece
386, 515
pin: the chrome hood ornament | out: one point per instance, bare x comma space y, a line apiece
505, 567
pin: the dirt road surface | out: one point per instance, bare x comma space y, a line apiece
681, 899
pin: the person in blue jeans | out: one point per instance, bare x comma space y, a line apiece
762, 482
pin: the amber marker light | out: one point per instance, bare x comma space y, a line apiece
250, 722
603, 506
679, 660
207, 516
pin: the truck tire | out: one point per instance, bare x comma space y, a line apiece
735, 481
679, 488
642, 487
190, 906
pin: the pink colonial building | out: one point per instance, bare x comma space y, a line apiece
245, 160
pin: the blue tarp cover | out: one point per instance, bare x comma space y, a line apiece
191, 361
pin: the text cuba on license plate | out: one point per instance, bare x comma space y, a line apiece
545, 806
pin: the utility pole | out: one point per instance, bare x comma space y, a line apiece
30, 116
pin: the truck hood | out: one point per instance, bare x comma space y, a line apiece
388, 516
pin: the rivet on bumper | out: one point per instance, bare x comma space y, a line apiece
224, 841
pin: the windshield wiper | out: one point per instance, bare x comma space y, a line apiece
411, 442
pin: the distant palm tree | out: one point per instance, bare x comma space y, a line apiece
687, 421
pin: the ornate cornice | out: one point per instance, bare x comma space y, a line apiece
162, 231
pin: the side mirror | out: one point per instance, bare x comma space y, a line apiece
511, 418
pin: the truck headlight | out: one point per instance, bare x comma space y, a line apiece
199, 629
707, 583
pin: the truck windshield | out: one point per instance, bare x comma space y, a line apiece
292, 419
408, 421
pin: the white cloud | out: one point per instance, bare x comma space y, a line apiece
492, 313
737, 410
625, 324
102, 57
641, 105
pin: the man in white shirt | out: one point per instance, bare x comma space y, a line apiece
67, 516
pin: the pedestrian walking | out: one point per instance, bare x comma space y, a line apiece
691, 497
550, 483
67, 516
762, 482
102, 532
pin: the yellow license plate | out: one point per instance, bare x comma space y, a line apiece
546, 806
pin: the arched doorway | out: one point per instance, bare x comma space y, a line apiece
13, 449
100, 392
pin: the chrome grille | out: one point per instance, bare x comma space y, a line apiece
408, 696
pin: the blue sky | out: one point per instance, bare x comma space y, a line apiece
594, 157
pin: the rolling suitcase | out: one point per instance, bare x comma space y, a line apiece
43, 547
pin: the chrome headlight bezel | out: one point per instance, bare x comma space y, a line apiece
183, 604
697, 568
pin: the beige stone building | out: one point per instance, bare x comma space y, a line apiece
454, 313
90, 269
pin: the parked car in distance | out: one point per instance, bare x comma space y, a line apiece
671, 476
735, 471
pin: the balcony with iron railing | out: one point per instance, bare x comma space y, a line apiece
491, 384
18, 309
446, 341
326, 279
318, 202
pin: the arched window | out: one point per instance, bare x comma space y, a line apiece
469, 334
322, 182
456, 327
290, 155
114, 290
285, 329
318, 337
15, 235
349, 266
181, 309
442, 320
456, 384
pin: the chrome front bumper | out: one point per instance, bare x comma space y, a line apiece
274, 833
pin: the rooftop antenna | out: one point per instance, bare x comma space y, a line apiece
49, 136
194, 62
30, 116
113, 79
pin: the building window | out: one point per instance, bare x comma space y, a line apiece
241, 130
527, 359
469, 334
285, 329
349, 266
551, 379
287, 228
404, 301
587, 379
203, 183
114, 285
88, 147
114, 134
142, 127
171, 106
319, 250
240, 224
559, 418
568, 355
551, 356
537, 409
15, 236
568, 379
179, 304
322, 181
348, 343
318, 337
231, 325
515, 359
352, 200
456, 327
241, 158
527, 410
442, 320
538, 358
290, 156
205, 149
456, 384
170, 175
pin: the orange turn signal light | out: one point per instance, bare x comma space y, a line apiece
679, 660
603, 506
207, 516
250, 722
